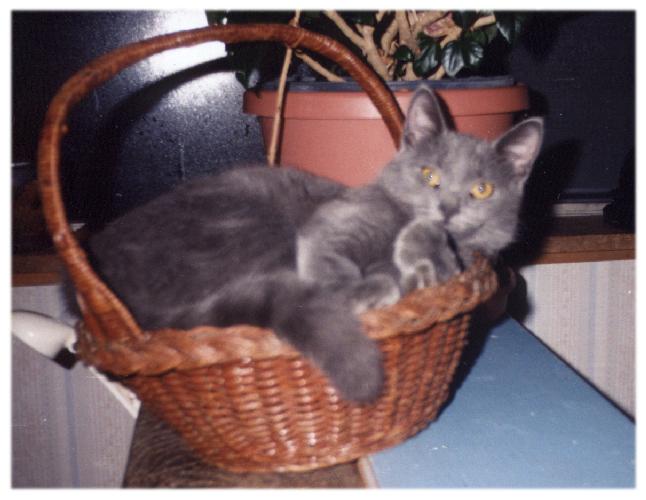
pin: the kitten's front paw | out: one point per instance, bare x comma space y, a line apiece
422, 275
375, 291
426, 273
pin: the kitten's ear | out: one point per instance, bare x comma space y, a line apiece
424, 118
521, 144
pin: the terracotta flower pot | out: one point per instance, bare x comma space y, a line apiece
340, 135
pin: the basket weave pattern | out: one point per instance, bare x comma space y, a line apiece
280, 414
240, 397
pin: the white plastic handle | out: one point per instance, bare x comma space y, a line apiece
49, 336
42, 333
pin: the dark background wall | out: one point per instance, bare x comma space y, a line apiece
173, 116
179, 115
580, 68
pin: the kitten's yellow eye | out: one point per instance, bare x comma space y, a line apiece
431, 177
482, 190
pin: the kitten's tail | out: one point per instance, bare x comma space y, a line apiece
318, 323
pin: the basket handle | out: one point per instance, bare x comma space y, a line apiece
103, 312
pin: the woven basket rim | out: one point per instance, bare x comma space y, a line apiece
168, 349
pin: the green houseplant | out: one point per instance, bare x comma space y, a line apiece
332, 129
398, 45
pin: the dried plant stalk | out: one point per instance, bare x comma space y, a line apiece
280, 100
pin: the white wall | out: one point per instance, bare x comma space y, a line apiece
585, 312
67, 429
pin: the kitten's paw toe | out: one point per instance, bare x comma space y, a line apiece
425, 273
422, 275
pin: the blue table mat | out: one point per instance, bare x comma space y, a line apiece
521, 418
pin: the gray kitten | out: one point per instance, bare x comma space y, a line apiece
283, 249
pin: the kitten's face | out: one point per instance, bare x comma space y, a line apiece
473, 187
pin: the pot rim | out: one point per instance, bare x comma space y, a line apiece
472, 82
356, 105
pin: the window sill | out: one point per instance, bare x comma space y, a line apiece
585, 239
36, 269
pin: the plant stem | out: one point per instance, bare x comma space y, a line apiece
439, 73
388, 37
280, 99
425, 18
364, 40
405, 35
319, 68
402, 30
483, 21
372, 53
345, 28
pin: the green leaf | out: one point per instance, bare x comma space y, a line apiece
491, 31
400, 70
465, 18
477, 36
404, 54
484, 35
473, 53
452, 58
510, 24
463, 53
428, 60
423, 40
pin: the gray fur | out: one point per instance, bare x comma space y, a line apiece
486, 226
284, 249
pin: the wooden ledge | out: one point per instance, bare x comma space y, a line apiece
585, 239
36, 269
570, 239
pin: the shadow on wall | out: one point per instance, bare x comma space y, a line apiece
552, 171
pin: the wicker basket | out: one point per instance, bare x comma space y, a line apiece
241, 398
